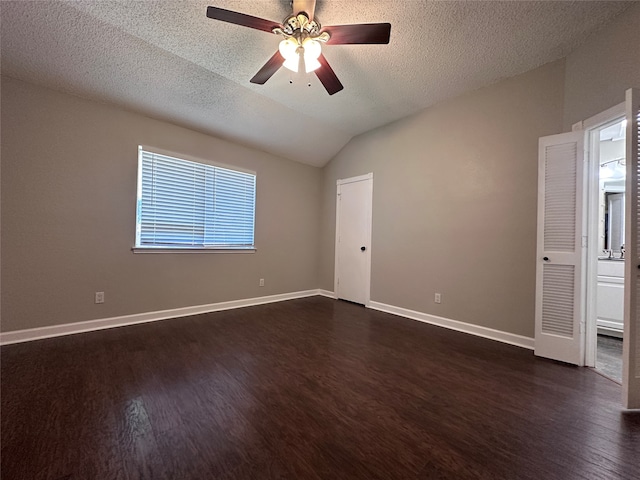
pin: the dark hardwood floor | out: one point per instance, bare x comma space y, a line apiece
306, 389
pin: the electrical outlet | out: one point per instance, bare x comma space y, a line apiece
438, 298
99, 297
262, 282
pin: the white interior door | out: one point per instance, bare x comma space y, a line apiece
631, 339
353, 238
560, 292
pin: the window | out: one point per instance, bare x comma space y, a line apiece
190, 205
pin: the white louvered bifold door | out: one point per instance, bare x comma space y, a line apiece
631, 341
559, 284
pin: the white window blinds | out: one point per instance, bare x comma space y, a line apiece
185, 204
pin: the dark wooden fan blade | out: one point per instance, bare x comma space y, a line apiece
327, 76
306, 6
269, 68
241, 19
368, 33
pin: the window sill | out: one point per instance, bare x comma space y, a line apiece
192, 250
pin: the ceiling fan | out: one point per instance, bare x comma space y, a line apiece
301, 49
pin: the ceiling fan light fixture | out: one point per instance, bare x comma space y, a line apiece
300, 51
294, 53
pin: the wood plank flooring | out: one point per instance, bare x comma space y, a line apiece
306, 389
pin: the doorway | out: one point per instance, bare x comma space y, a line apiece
353, 239
569, 250
605, 262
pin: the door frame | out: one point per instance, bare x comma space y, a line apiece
591, 126
369, 217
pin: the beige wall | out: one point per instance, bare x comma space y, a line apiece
68, 216
454, 202
599, 72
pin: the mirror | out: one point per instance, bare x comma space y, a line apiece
611, 157
614, 221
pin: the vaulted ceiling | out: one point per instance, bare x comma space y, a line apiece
166, 59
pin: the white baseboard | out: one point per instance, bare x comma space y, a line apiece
18, 336
30, 334
326, 293
610, 332
505, 337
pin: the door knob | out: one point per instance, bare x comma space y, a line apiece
363, 248
546, 259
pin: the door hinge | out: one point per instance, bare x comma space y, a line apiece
584, 241
581, 327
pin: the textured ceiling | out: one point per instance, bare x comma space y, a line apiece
166, 59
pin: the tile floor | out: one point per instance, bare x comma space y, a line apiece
609, 357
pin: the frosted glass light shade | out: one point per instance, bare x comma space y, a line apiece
292, 63
312, 51
311, 64
288, 49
